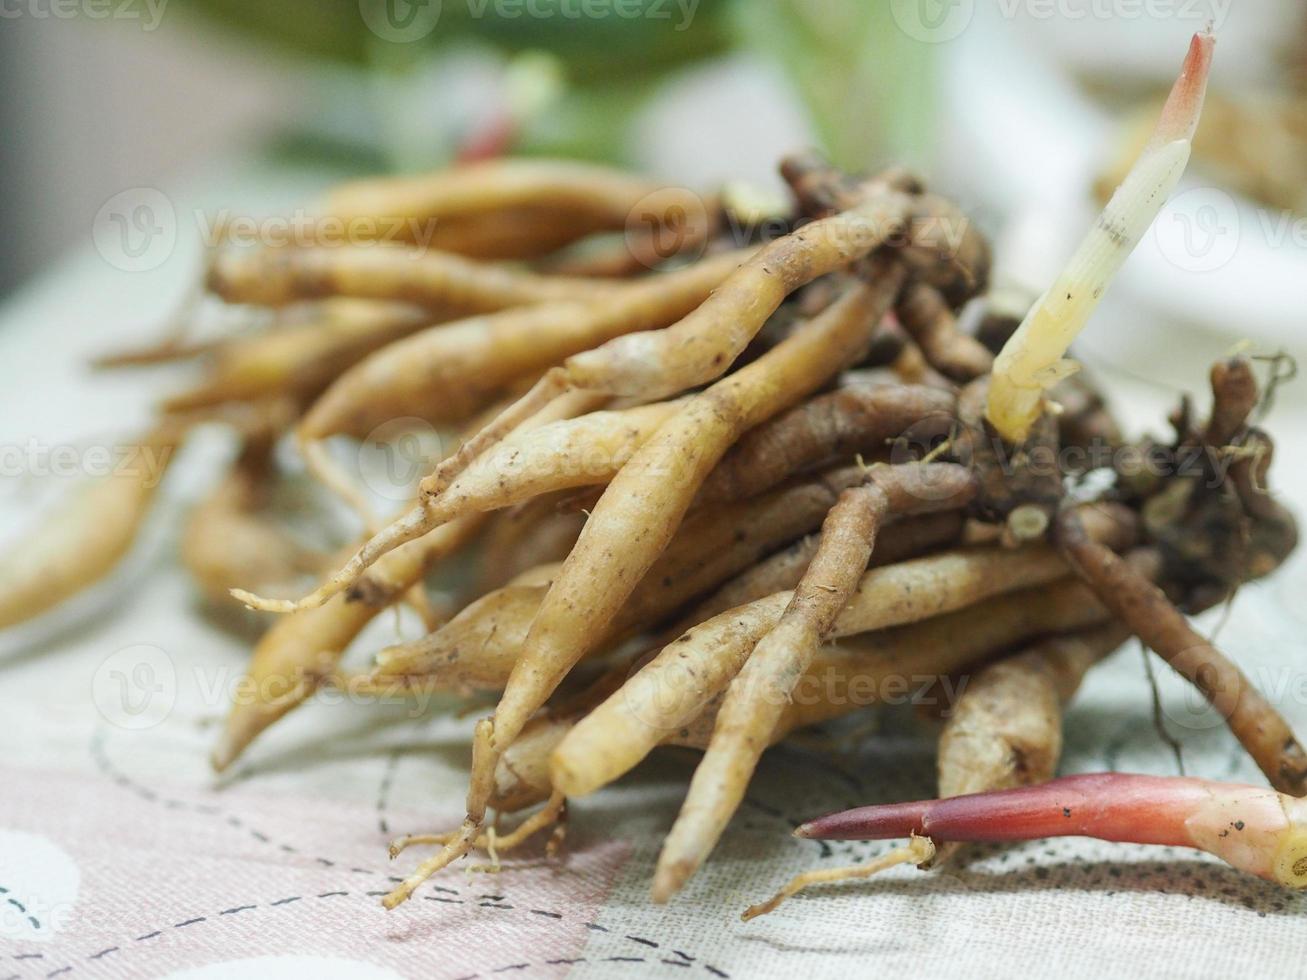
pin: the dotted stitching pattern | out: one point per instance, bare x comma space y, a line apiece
449, 896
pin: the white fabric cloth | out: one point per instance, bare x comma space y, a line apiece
123, 839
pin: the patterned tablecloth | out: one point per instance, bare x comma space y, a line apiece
122, 855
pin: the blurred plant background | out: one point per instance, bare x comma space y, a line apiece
364, 85
1005, 104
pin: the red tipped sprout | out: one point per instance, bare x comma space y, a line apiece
1252, 828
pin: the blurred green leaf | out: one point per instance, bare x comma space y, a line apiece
866, 85
625, 36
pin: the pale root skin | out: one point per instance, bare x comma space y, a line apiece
872, 662
757, 696
702, 345
571, 405
1032, 360
853, 419
914, 658
841, 679
438, 280
493, 187
645, 503
474, 651
303, 357
671, 690
717, 542
925, 315
88, 533
585, 451
779, 572
301, 650
522, 776
1005, 730
477, 649
455, 369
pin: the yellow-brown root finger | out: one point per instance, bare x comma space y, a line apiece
440, 280
927, 318
300, 650
647, 500
757, 697
451, 371
850, 420
564, 454
917, 658
410, 526
716, 542
569, 453
908, 538
918, 851
478, 648
1005, 728
89, 532
522, 234
671, 690
703, 344
484, 189
304, 357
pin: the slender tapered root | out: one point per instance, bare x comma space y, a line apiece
546, 817
757, 697
457, 846
919, 850
1142, 606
